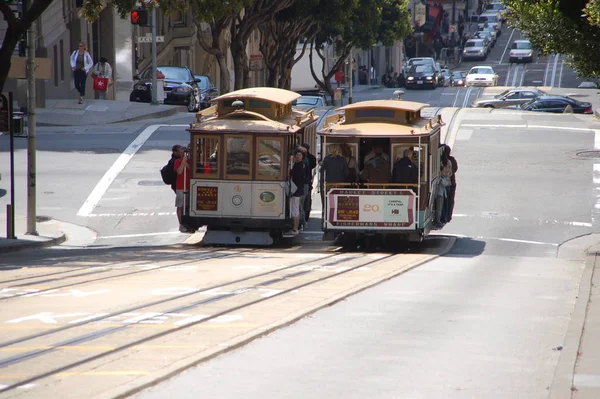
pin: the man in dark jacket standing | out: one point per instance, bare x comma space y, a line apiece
405, 171
310, 161
297, 175
451, 190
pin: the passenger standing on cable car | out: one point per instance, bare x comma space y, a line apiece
334, 169
451, 189
297, 175
377, 168
442, 193
310, 162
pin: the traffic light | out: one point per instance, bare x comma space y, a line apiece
139, 16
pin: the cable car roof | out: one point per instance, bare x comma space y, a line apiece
379, 129
389, 104
271, 94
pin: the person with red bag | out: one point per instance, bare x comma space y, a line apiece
102, 75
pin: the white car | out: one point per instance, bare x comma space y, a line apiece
521, 51
482, 76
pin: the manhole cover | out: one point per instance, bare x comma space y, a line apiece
100, 150
42, 219
151, 183
589, 154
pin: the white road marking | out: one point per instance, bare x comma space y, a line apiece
507, 44
466, 100
498, 239
508, 74
578, 224
111, 174
562, 65
523, 76
140, 235
577, 129
97, 215
554, 68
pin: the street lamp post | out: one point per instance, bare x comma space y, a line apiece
31, 123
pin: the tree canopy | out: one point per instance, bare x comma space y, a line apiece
570, 27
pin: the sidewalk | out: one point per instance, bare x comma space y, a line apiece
50, 234
100, 112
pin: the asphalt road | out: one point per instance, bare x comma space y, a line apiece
483, 321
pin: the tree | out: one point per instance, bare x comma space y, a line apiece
16, 28
279, 38
569, 27
365, 23
218, 15
244, 24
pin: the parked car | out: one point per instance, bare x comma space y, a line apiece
180, 87
458, 78
208, 91
421, 76
482, 76
521, 51
311, 101
421, 61
474, 49
588, 85
555, 104
485, 35
492, 32
516, 96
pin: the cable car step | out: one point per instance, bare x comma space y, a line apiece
212, 237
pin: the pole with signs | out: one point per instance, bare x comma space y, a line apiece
154, 80
31, 122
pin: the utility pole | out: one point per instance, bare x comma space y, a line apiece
154, 82
31, 123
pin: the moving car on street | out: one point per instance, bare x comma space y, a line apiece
180, 87
516, 96
555, 104
521, 51
458, 78
482, 76
420, 76
493, 19
421, 61
475, 49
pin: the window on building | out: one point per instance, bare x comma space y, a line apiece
61, 45
55, 66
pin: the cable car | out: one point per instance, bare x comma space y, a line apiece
368, 205
240, 151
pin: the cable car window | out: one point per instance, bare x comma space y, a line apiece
269, 158
237, 157
206, 156
374, 113
398, 153
259, 104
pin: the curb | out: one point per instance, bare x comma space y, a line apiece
597, 114
178, 367
563, 379
155, 115
20, 244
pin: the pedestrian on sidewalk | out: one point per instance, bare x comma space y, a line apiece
81, 63
102, 70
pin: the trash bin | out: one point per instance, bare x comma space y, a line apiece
160, 91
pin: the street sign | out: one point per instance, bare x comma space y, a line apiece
256, 62
148, 39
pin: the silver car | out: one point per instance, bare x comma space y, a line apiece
475, 49
516, 96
